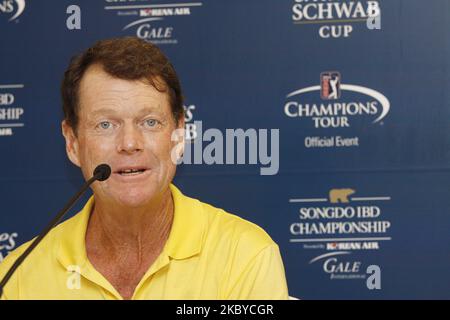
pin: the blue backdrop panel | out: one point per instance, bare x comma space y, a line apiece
264, 65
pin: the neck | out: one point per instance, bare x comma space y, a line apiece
114, 229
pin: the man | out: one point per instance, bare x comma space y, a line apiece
138, 236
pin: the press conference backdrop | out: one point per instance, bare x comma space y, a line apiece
358, 199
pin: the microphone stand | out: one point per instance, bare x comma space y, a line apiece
99, 174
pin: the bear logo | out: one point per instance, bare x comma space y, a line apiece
340, 195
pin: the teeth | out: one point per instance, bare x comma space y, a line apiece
131, 171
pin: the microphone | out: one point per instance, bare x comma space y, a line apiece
101, 173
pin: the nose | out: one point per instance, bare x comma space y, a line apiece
130, 140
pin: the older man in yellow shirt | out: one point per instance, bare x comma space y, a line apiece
138, 236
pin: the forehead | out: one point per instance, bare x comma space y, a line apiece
98, 90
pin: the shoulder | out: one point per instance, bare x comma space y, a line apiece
46, 248
226, 232
9, 260
217, 225
234, 227
247, 258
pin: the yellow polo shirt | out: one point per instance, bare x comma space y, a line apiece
210, 254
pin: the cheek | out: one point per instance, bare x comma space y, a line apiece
161, 149
96, 150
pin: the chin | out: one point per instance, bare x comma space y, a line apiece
134, 198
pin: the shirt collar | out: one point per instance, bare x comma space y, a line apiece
188, 228
185, 238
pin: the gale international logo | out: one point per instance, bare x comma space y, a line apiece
155, 22
149, 29
12, 8
336, 19
335, 105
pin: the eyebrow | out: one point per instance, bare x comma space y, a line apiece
102, 111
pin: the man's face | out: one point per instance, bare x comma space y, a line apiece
128, 125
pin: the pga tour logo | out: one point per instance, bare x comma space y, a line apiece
12, 7
339, 103
330, 83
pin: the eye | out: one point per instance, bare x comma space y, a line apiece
151, 122
105, 125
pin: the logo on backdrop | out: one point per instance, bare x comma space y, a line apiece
330, 85
336, 19
10, 112
339, 226
165, 12
12, 8
190, 125
339, 107
339, 266
150, 29
152, 22
7, 244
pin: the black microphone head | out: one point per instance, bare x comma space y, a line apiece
102, 172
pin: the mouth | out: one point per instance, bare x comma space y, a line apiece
131, 171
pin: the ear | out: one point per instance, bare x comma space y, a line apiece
181, 126
72, 148
180, 123
177, 138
